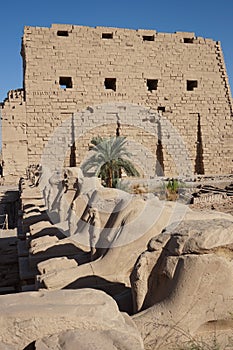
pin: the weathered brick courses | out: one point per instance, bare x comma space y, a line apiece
189, 86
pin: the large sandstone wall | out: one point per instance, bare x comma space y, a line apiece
14, 133
180, 75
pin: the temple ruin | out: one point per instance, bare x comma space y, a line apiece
147, 265
75, 71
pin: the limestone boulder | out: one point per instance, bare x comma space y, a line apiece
32, 316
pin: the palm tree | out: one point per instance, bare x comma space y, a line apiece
109, 159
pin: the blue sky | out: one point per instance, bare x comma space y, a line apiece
207, 18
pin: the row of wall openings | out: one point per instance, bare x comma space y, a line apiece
110, 36
110, 84
144, 37
107, 35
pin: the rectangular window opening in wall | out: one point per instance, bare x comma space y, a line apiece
161, 109
65, 82
152, 84
191, 85
62, 33
110, 83
107, 35
188, 40
148, 38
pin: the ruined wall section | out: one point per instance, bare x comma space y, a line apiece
223, 72
68, 68
227, 124
14, 134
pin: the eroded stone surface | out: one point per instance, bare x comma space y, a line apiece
183, 282
91, 340
138, 107
27, 317
127, 229
56, 264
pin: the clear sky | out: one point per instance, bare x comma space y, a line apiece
206, 18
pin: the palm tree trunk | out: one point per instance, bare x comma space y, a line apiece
110, 177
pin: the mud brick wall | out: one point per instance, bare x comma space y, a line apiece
69, 70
